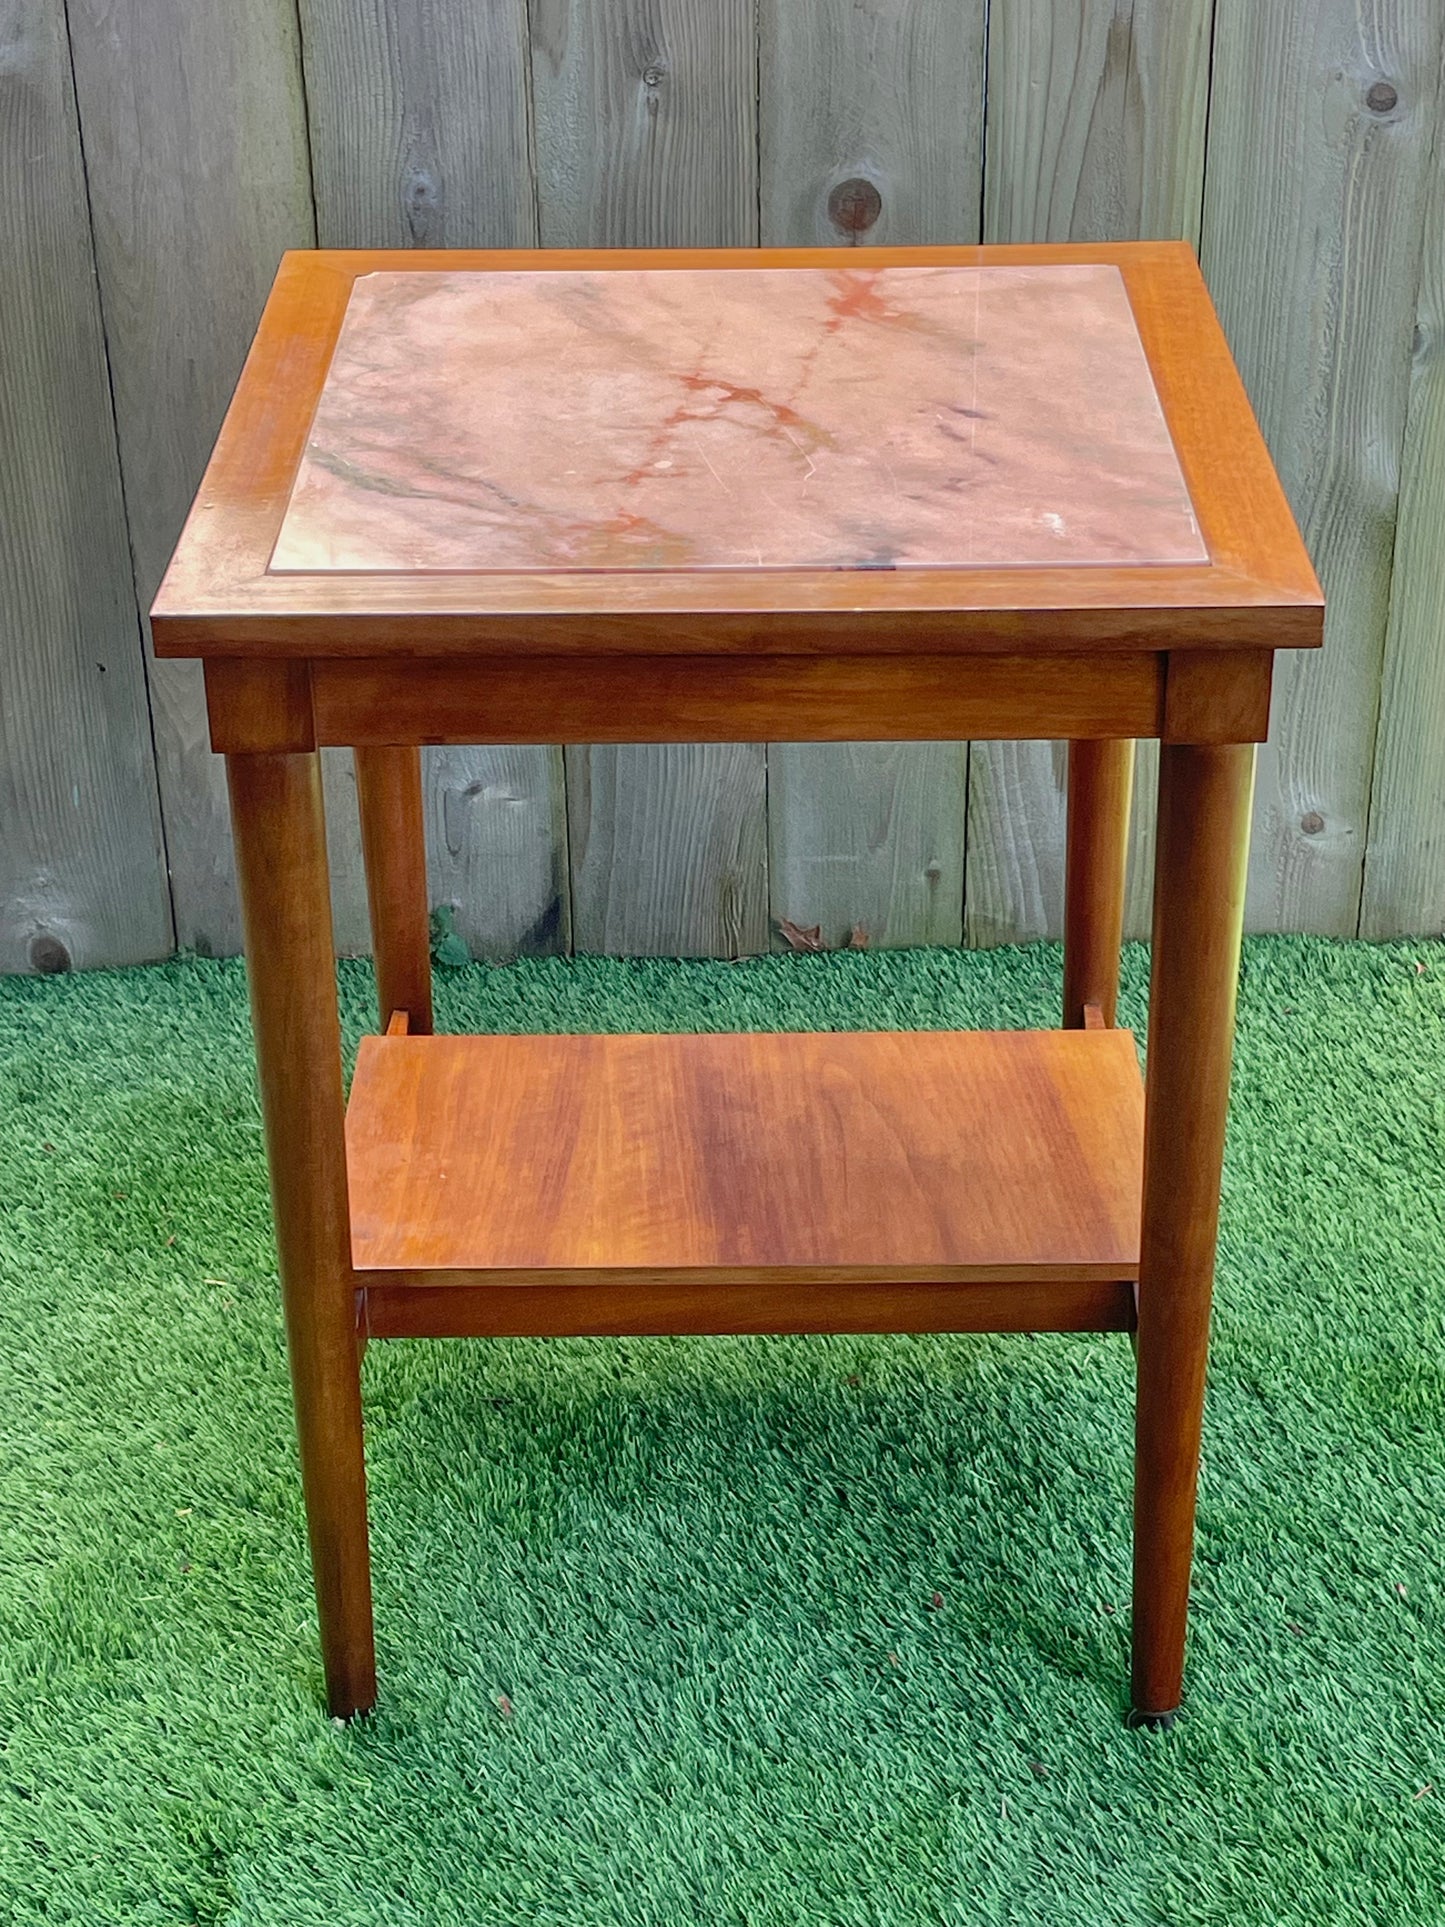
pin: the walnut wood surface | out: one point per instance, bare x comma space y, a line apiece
1101, 784
824, 1158
416, 1307
1203, 843
267, 707
218, 597
393, 843
746, 1183
710, 699
276, 813
1222, 697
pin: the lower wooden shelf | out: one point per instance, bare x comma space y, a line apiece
819, 1181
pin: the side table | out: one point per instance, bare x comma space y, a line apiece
719, 496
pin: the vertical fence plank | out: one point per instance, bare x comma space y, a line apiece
866, 840
497, 848
667, 850
194, 133
418, 121
646, 136
880, 94
1405, 854
1096, 124
646, 122
1319, 145
82, 875
1096, 120
871, 131
419, 137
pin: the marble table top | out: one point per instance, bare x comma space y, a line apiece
738, 418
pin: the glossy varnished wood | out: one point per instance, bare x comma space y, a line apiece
218, 597
259, 706
393, 844
709, 699
418, 1307
811, 1157
1221, 697
280, 835
746, 1183
1203, 843
1101, 783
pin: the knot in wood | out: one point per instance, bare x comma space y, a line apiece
1382, 98
854, 205
48, 955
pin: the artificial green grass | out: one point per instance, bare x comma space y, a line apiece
735, 1630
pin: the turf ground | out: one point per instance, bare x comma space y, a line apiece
741, 1632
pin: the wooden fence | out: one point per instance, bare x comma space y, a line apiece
157, 155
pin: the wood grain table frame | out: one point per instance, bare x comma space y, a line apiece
387, 662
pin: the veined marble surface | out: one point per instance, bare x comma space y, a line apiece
738, 418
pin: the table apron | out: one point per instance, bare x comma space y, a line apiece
259, 706
721, 699
698, 699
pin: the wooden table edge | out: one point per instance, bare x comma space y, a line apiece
218, 595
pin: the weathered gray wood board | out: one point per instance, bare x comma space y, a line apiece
667, 850
867, 840
82, 873
1015, 884
1405, 852
1320, 130
419, 129
194, 129
884, 95
870, 131
1096, 119
418, 122
497, 848
645, 116
646, 136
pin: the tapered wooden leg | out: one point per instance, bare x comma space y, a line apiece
280, 836
393, 844
1101, 783
1203, 841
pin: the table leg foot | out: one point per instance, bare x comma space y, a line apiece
1150, 1722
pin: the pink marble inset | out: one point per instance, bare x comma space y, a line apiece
738, 418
